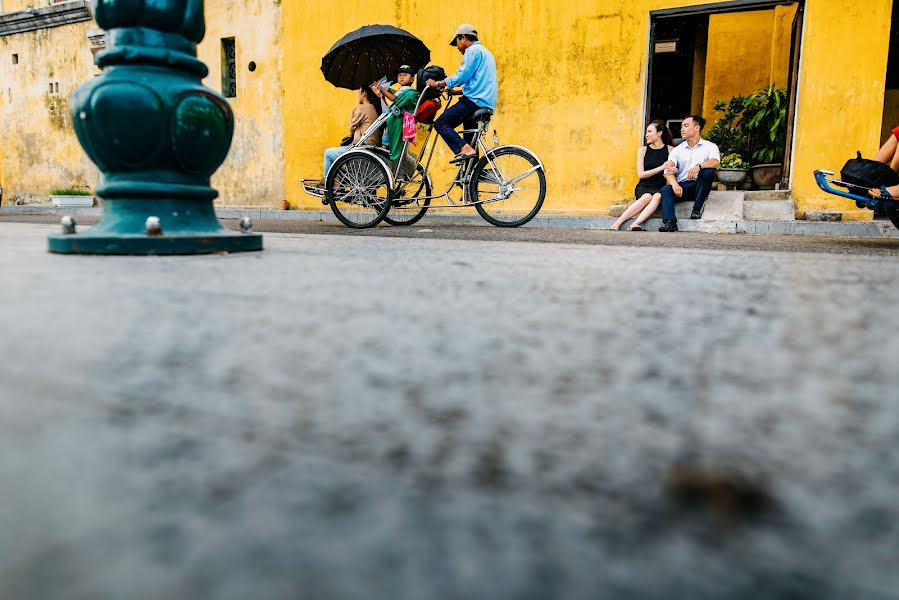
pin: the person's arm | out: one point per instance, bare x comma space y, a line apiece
711, 163
671, 174
383, 92
641, 156
471, 62
671, 167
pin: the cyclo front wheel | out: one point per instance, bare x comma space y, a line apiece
358, 190
508, 186
409, 208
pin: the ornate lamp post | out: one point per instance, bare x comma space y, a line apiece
156, 133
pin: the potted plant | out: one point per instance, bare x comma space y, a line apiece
71, 197
765, 119
733, 170
728, 132
754, 127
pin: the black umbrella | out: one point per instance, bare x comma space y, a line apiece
363, 56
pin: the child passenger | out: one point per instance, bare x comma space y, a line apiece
404, 100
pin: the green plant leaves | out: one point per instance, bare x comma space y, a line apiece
753, 126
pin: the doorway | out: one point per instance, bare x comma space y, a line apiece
700, 56
679, 46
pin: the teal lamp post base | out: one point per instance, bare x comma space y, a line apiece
156, 133
184, 227
184, 243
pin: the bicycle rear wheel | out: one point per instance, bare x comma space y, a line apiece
358, 190
510, 190
408, 208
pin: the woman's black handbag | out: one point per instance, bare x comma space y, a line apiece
868, 174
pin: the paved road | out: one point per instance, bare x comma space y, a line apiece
366, 416
779, 243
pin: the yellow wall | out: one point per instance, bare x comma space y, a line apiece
580, 106
40, 151
841, 92
571, 78
315, 113
14, 5
572, 81
253, 174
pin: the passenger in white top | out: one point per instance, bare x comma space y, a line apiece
690, 172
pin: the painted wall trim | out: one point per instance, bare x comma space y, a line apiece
32, 19
720, 7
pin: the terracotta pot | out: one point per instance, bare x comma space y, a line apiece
767, 176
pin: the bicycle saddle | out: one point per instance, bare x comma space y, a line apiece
482, 114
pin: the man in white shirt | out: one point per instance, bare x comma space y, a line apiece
689, 173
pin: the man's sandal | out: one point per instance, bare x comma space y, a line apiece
462, 158
885, 193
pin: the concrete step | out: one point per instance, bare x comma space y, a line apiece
764, 205
769, 210
768, 195
719, 206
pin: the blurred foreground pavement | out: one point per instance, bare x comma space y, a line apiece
378, 417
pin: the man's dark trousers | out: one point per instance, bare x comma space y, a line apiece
457, 114
696, 190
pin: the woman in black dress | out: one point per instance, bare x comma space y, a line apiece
652, 159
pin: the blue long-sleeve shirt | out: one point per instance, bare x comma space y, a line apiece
477, 76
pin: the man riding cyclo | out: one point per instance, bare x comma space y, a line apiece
477, 77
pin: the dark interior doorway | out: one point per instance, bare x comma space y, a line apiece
674, 60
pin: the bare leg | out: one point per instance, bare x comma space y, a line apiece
889, 153
631, 210
649, 210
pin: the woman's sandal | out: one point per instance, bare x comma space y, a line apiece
613, 228
635, 228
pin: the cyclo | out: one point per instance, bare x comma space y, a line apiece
506, 184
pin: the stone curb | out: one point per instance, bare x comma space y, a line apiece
866, 229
